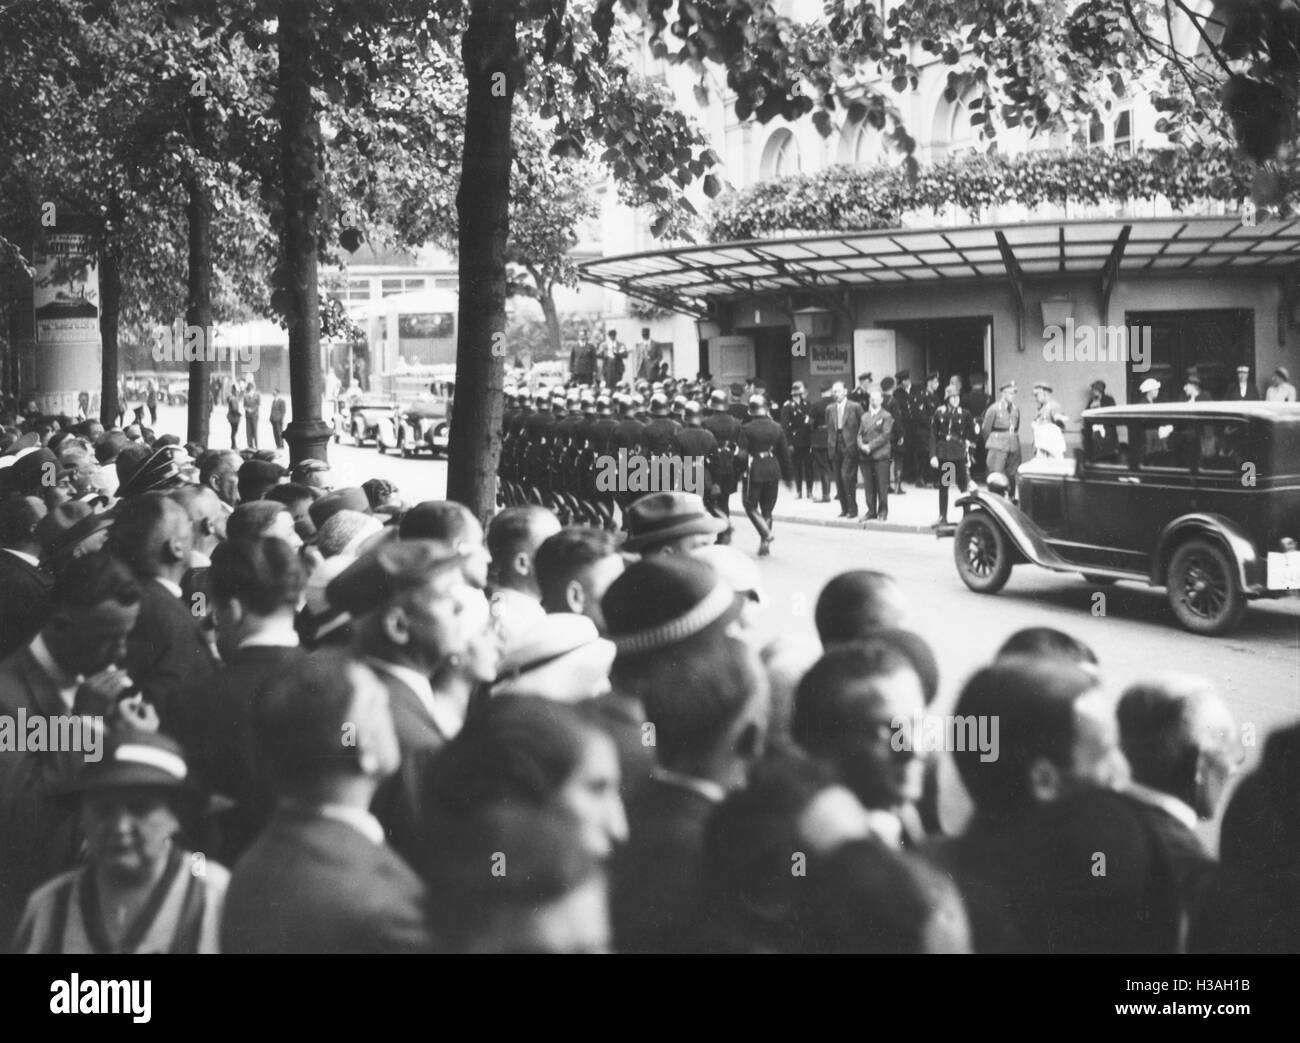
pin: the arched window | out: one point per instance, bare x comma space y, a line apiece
780, 156
954, 134
861, 145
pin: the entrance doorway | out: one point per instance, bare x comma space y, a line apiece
1212, 341
955, 347
773, 360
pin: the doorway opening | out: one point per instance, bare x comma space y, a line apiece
955, 347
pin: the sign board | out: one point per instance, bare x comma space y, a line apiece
874, 352
829, 359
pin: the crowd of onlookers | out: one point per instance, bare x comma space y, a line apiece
310, 719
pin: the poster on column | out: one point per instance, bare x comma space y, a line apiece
66, 291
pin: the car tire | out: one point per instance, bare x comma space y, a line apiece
982, 553
1099, 581
1202, 588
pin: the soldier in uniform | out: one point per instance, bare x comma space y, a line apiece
536, 450
925, 401
505, 462
1001, 428
953, 433
976, 402
797, 422
904, 414
726, 466
600, 436
695, 447
628, 436
660, 430
763, 441
678, 409
568, 444
821, 454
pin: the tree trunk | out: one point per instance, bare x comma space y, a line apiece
488, 49
110, 301
198, 303
307, 434
546, 297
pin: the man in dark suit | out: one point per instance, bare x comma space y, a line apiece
68, 670
842, 421
167, 652
1056, 736
255, 587
797, 420
1243, 389
405, 598
278, 409
24, 585
875, 437
1182, 747
709, 725
320, 878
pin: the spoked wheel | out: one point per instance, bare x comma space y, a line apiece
1203, 589
981, 552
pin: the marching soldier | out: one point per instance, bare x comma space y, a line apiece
764, 443
696, 446
953, 433
567, 445
1002, 437
628, 436
660, 430
600, 435
797, 422
534, 451
725, 467
505, 462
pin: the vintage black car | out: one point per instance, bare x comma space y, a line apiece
1202, 499
422, 423
363, 417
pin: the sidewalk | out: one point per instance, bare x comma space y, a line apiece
914, 512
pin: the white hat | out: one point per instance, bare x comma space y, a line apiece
1150, 384
563, 658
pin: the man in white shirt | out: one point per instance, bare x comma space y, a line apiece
513, 538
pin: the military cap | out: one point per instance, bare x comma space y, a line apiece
659, 405
757, 405
1042, 385
718, 401
1007, 384
388, 570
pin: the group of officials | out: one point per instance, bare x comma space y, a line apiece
558, 442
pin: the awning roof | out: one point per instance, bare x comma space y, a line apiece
688, 278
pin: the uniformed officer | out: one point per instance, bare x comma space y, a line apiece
764, 443
535, 451
695, 446
506, 492
1002, 437
569, 444
600, 434
953, 433
797, 422
726, 465
661, 428
628, 437
925, 400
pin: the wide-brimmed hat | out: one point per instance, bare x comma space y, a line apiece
659, 517
563, 658
663, 601
135, 760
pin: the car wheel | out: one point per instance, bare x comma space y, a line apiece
1099, 581
1203, 589
981, 552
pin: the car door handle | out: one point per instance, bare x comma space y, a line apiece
1129, 479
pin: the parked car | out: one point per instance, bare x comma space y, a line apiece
361, 417
1201, 499
423, 423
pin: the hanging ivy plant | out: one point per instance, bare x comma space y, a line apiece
848, 198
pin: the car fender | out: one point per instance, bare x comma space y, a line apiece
386, 433
1251, 569
1018, 528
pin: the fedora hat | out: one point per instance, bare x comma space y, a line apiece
660, 517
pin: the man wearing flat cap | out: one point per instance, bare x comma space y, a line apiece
405, 598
